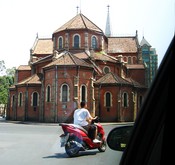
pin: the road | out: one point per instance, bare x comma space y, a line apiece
39, 143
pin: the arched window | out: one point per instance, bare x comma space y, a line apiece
20, 99
134, 60
94, 42
108, 100
64, 93
76, 41
13, 102
60, 42
125, 99
48, 93
83, 93
35, 99
129, 60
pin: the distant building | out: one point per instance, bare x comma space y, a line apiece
79, 63
150, 58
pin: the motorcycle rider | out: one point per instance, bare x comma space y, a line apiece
83, 118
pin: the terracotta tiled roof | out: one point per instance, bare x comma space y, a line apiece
44, 59
79, 22
122, 45
43, 46
111, 78
82, 55
96, 56
135, 83
34, 79
24, 67
92, 56
67, 59
104, 57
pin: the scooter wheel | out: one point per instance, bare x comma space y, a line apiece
71, 149
102, 147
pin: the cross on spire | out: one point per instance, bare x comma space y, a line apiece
108, 8
77, 9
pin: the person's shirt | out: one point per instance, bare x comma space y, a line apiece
80, 116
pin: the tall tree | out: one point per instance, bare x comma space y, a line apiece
6, 80
2, 67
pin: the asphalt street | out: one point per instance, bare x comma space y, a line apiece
30, 143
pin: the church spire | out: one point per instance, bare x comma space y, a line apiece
108, 26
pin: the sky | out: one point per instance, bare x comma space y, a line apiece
22, 20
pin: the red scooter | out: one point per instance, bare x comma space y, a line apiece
76, 138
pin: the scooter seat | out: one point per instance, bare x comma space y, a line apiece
80, 127
76, 126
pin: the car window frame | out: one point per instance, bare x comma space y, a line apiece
154, 108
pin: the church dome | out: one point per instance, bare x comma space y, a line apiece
79, 22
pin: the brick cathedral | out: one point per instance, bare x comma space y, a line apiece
79, 63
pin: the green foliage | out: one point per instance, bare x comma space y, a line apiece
2, 66
10, 72
5, 83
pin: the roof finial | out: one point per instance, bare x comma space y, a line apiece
108, 8
143, 33
77, 9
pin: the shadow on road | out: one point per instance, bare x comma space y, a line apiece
64, 155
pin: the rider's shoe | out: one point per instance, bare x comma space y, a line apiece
96, 141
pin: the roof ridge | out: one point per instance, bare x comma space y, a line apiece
71, 56
90, 22
81, 15
85, 23
26, 80
116, 77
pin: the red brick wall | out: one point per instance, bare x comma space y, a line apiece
116, 112
11, 110
137, 75
65, 75
23, 74
21, 109
82, 41
33, 114
112, 114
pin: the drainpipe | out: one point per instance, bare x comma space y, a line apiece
134, 95
77, 84
119, 104
15, 109
99, 96
42, 107
8, 106
56, 95
26, 104
92, 97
